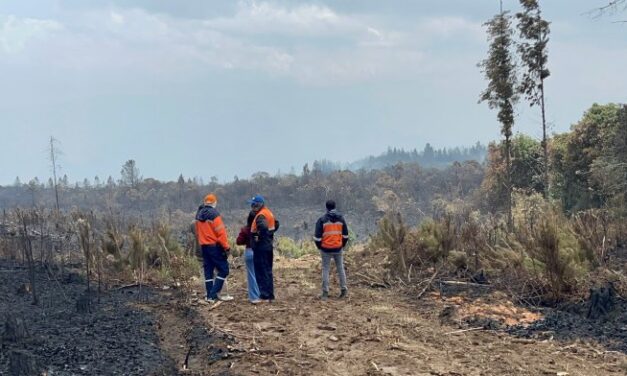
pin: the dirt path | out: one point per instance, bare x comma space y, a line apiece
374, 332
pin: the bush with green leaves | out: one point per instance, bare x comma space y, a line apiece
551, 250
287, 247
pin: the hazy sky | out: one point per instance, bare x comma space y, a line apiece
230, 87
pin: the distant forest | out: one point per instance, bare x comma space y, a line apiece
403, 180
428, 157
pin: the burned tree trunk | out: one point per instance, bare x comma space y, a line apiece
83, 303
24, 289
28, 252
22, 363
601, 301
14, 330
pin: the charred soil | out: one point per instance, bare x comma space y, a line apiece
376, 331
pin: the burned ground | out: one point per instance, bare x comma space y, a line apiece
377, 331
115, 338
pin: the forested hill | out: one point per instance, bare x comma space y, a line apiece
587, 170
428, 157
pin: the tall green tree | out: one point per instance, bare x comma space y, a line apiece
499, 69
609, 171
589, 164
534, 38
526, 171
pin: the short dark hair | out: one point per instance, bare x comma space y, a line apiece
330, 205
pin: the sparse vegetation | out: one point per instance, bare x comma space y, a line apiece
521, 242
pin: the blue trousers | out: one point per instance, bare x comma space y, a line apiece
263, 272
326, 267
253, 288
214, 258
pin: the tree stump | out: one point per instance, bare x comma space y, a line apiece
25, 289
601, 301
83, 303
14, 330
73, 277
22, 363
449, 316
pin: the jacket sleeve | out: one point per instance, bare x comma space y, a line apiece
344, 233
197, 231
318, 234
198, 214
243, 237
220, 230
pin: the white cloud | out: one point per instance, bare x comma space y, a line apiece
117, 17
15, 32
265, 17
451, 26
312, 44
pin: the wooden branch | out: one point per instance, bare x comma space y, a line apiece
429, 282
465, 283
128, 286
465, 330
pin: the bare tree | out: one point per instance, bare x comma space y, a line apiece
130, 174
612, 7
53, 155
27, 245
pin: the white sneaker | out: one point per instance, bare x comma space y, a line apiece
225, 298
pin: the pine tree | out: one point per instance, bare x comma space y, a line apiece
500, 71
534, 34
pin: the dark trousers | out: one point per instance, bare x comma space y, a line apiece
263, 258
213, 258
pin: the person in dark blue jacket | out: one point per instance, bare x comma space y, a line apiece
331, 237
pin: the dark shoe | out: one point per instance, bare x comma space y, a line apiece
324, 296
344, 293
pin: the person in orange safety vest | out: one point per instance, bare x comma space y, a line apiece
262, 230
213, 240
331, 237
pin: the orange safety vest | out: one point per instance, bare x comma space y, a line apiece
212, 233
332, 235
267, 214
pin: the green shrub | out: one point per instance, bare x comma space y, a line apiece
547, 237
287, 247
